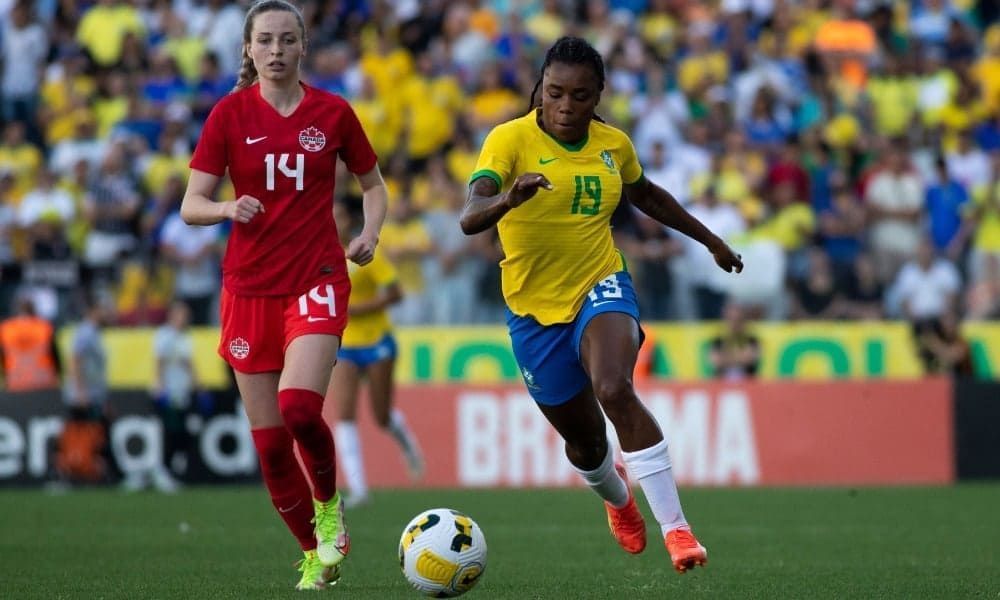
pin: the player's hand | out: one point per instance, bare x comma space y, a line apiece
525, 187
244, 209
361, 250
727, 260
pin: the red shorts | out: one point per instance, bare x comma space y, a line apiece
256, 330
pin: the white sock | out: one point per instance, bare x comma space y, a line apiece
651, 466
402, 434
606, 481
349, 452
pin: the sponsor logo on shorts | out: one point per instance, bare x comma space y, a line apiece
239, 348
529, 379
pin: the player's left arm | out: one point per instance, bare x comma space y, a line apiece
362, 248
660, 204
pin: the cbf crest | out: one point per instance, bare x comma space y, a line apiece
312, 139
606, 157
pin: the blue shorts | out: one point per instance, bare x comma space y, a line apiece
364, 356
549, 356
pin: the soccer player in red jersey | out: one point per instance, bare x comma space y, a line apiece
284, 283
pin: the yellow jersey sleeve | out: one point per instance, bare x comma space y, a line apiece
498, 157
630, 168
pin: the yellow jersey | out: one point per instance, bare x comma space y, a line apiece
558, 245
366, 282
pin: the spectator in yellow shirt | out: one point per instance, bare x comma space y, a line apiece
103, 27
493, 103
432, 101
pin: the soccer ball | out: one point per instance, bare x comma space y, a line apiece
442, 552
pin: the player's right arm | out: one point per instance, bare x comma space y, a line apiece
485, 205
198, 208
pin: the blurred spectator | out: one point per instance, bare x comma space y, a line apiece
841, 228
86, 382
173, 394
946, 199
454, 265
944, 350
816, 295
982, 299
46, 202
967, 164
20, 158
659, 116
735, 352
926, 286
407, 243
895, 199
28, 352
707, 283
25, 45
648, 248
984, 219
863, 298
112, 208
195, 252
103, 27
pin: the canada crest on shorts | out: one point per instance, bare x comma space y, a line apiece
606, 157
312, 139
239, 348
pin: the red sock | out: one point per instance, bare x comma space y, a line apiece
286, 483
303, 414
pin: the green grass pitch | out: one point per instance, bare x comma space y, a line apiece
763, 543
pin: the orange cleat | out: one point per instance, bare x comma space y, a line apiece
685, 551
626, 523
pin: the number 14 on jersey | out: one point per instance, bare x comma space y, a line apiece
297, 173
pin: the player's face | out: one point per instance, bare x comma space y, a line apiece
569, 95
276, 45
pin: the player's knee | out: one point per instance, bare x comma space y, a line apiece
300, 411
614, 393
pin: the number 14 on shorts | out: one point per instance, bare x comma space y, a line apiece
607, 289
319, 295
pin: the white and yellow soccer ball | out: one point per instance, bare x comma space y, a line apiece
442, 552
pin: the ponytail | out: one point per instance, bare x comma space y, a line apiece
248, 73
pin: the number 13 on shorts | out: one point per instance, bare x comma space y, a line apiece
607, 289
319, 296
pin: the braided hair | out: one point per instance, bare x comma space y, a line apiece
248, 72
571, 51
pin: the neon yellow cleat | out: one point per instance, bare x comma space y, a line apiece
331, 531
314, 575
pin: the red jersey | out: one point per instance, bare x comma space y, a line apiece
288, 163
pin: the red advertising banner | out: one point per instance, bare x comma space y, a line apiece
720, 434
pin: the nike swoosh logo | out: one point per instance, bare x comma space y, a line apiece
314, 319
251, 140
290, 508
543, 161
600, 303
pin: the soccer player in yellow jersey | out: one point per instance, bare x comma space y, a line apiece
550, 180
367, 351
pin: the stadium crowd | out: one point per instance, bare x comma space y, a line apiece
850, 150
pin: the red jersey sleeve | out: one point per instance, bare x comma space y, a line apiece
210, 154
356, 151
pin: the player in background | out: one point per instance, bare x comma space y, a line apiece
368, 352
550, 181
284, 277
